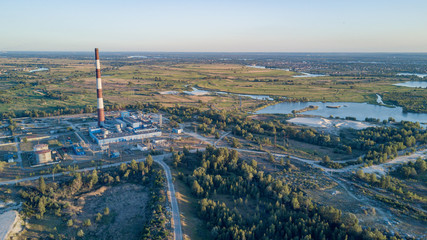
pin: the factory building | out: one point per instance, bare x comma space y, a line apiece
131, 122
42, 153
103, 137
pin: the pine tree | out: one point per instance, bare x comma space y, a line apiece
80, 233
42, 185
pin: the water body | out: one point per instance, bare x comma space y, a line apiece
303, 74
199, 92
257, 97
412, 84
360, 111
263, 67
137, 57
39, 70
420, 75
307, 75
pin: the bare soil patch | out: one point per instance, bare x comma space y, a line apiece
126, 203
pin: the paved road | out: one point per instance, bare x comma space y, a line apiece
175, 210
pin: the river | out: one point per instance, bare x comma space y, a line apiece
303, 74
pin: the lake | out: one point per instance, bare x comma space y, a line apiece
360, 111
307, 75
39, 70
420, 75
303, 74
412, 84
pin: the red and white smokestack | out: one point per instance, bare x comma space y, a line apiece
101, 117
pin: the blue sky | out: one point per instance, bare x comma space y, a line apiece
212, 26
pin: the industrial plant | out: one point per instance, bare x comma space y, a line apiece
127, 127
80, 139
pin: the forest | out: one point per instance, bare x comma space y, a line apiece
269, 208
411, 101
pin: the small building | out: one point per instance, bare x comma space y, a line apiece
78, 149
142, 147
159, 141
9, 158
124, 114
115, 154
177, 130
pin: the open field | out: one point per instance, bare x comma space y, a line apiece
70, 83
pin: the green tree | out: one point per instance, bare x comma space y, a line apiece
42, 185
87, 222
41, 206
98, 217
149, 160
106, 211
123, 167
93, 178
235, 143
134, 165
70, 223
80, 233
295, 203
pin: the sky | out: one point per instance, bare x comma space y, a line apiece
214, 26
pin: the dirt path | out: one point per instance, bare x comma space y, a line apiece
383, 168
363, 200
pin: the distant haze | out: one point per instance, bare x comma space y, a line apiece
214, 26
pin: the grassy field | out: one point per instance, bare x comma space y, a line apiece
72, 83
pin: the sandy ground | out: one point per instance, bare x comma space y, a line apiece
383, 168
7, 222
329, 124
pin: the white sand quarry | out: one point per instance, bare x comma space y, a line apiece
329, 124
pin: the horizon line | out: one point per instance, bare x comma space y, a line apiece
133, 51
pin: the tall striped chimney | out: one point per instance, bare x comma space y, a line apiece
101, 117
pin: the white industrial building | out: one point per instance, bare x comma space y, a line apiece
104, 137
